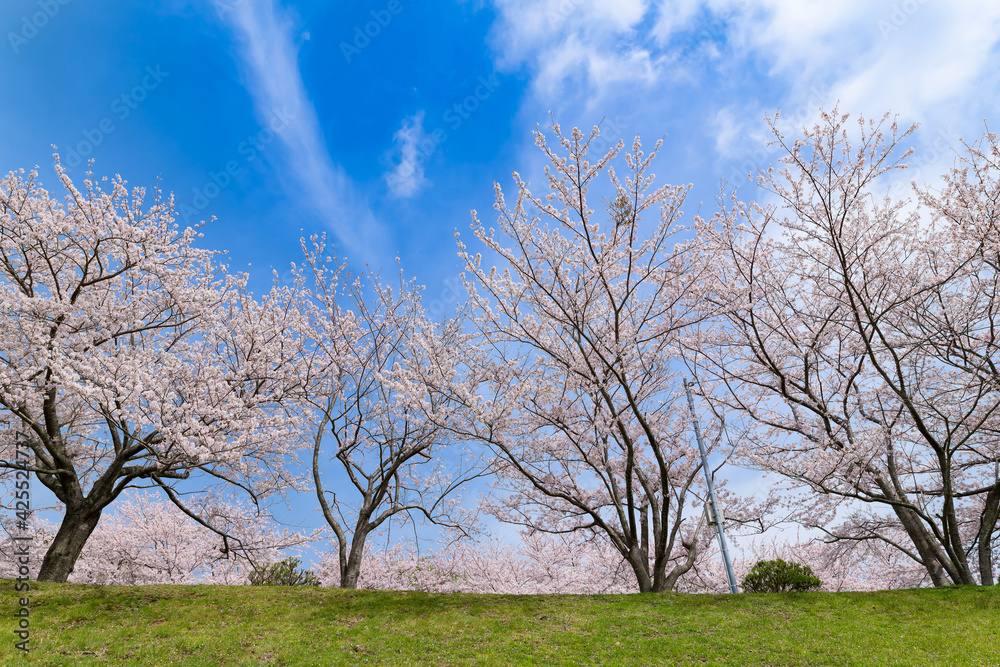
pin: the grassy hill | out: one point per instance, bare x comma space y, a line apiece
219, 625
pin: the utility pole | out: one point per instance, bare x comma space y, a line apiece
714, 510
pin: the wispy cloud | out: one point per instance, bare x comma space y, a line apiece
575, 45
911, 57
266, 37
927, 61
673, 16
407, 176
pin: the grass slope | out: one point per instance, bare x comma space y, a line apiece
220, 625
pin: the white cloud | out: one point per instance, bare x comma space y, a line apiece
931, 63
916, 58
407, 177
672, 16
921, 59
270, 56
580, 45
804, 36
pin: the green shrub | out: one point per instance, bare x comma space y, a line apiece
778, 576
283, 573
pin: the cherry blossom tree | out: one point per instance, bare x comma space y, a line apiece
130, 357
572, 376
148, 540
859, 338
868, 565
958, 322
365, 341
542, 563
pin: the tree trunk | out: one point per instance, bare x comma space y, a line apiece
639, 561
929, 552
987, 524
351, 571
67, 546
682, 568
644, 528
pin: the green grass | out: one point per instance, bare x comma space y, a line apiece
220, 625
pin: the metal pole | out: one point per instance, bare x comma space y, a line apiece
716, 510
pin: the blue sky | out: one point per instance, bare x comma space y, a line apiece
393, 118
382, 123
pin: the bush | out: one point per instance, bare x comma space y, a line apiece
283, 573
778, 576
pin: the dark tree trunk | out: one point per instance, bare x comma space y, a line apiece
929, 552
639, 561
681, 568
644, 529
987, 524
67, 546
351, 570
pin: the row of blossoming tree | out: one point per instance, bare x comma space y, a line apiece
844, 338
